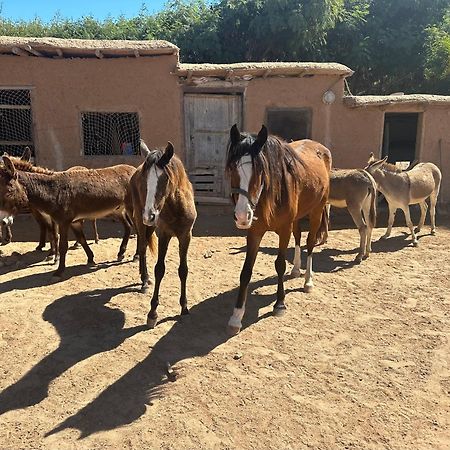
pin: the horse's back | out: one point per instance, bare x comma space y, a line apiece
312, 153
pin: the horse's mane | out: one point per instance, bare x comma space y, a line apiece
274, 162
178, 181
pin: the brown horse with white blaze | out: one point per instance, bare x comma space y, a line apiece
279, 183
161, 199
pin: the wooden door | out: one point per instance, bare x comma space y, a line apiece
208, 119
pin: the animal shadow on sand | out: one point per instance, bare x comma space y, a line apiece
45, 278
86, 326
205, 329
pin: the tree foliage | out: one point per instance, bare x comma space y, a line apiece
391, 44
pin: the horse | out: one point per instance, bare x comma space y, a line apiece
402, 188
276, 183
161, 199
67, 197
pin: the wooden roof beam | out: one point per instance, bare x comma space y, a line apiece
33, 51
20, 52
99, 54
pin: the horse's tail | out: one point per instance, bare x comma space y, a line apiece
151, 240
322, 232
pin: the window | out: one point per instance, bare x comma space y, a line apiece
110, 133
15, 121
290, 124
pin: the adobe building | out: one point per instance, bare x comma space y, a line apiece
84, 102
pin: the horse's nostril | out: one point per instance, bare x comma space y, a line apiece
249, 215
235, 218
152, 217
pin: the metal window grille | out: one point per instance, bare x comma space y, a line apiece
15, 121
110, 133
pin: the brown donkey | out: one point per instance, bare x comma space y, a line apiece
279, 183
161, 198
67, 197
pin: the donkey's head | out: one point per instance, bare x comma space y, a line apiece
374, 164
156, 181
13, 196
245, 174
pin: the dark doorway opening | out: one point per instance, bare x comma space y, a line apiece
290, 124
399, 137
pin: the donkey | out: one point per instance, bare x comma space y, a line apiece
67, 197
6, 222
279, 183
408, 187
161, 198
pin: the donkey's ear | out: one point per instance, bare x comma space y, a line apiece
144, 149
9, 166
26, 155
260, 140
166, 156
371, 158
235, 135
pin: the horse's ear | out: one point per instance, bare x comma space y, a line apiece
9, 166
235, 135
166, 156
260, 140
26, 155
144, 149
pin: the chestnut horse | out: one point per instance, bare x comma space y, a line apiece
279, 183
67, 197
161, 199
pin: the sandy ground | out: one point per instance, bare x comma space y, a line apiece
360, 363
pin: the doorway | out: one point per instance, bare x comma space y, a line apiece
400, 136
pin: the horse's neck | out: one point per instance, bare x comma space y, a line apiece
41, 189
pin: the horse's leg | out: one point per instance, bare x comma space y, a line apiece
125, 239
77, 228
423, 212
63, 245
160, 269
143, 235
433, 201
253, 241
392, 211
184, 242
280, 266
315, 222
355, 212
94, 227
410, 225
295, 272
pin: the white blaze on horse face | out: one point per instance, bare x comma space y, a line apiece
150, 214
243, 211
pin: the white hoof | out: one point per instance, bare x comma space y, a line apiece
151, 323
232, 330
416, 243
308, 287
296, 273
385, 236
433, 232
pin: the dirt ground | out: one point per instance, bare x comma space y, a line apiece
362, 362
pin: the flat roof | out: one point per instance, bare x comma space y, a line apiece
83, 48
262, 69
359, 101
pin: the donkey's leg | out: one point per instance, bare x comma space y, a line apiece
280, 266
63, 244
355, 212
76, 244
366, 215
410, 225
160, 269
433, 201
7, 238
94, 227
295, 272
53, 231
125, 239
184, 242
392, 211
77, 228
43, 225
423, 212
253, 242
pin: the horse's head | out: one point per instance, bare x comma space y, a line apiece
155, 181
373, 164
13, 196
246, 178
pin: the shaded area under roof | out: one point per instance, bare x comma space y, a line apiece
262, 69
83, 48
382, 100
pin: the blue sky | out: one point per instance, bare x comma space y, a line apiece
28, 9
